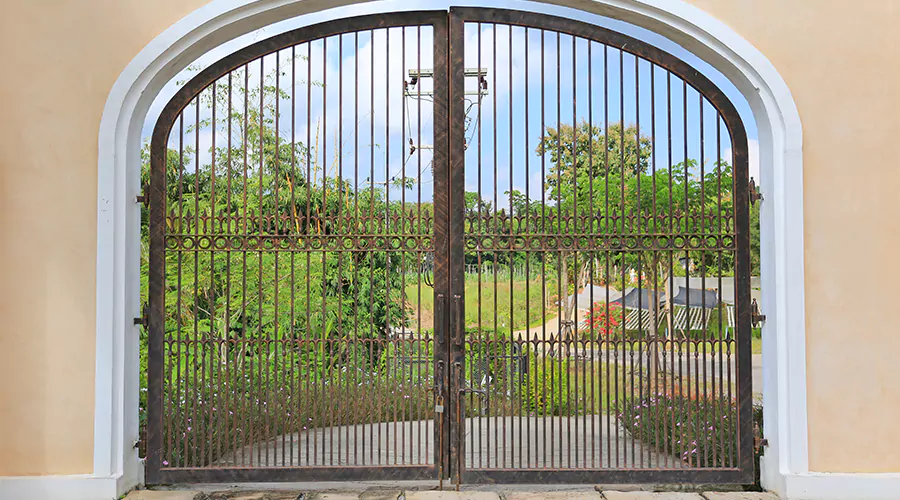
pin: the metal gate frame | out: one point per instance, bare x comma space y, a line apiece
744, 472
157, 200
449, 250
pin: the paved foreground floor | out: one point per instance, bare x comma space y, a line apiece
583, 442
496, 493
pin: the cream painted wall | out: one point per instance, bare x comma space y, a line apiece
61, 59
842, 68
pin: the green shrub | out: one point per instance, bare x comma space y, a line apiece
699, 431
217, 414
545, 392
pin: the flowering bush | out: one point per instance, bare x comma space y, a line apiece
602, 321
702, 431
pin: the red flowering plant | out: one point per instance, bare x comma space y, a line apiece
602, 320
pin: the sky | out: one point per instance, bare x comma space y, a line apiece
355, 85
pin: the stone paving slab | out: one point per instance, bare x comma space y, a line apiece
452, 495
160, 495
553, 495
499, 493
251, 495
340, 496
742, 495
380, 495
649, 495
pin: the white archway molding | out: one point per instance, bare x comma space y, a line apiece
785, 466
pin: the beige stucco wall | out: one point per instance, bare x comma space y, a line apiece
61, 59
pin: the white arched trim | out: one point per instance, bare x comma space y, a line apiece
785, 466
780, 144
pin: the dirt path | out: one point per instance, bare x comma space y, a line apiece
540, 332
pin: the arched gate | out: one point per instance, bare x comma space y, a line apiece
482, 244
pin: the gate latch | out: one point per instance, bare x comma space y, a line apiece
755, 317
143, 197
144, 320
755, 195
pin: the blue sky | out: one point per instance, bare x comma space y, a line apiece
380, 103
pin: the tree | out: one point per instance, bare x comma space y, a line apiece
605, 181
257, 183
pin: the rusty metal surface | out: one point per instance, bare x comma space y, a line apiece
312, 239
584, 229
283, 253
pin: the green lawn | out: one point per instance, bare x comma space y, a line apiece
510, 309
421, 300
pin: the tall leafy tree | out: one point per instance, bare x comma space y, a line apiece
604, 181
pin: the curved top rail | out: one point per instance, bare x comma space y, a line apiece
273, 44
638, 48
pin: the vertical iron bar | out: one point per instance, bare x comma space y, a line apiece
261, 342
312, 344
654, 353
640, 267
670, 328
591, 230
228, 410
719, 393
495, 260
556, 345
293, 429
742, 293
527, 214
157, 431
326, 336
456, 209
481, 339
276, 217
372, 214
512, 447
197, 457
687, 272
703, 337
543, 255
441, 160
574, 227
624, 217
182, 457
423, 438
245, 379
357, 256
339, 184
606, 279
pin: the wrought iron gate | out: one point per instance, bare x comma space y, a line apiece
484, 245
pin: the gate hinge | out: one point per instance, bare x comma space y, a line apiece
143, 197
144, 320
755, 317
755, 195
